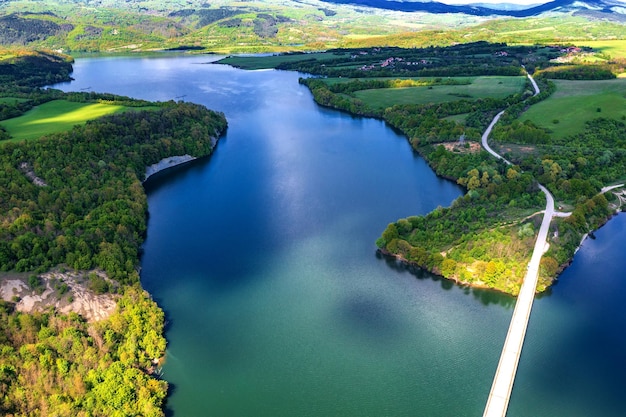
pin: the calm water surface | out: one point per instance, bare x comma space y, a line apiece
263, 258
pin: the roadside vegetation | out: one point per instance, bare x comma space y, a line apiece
470, 88
72, 198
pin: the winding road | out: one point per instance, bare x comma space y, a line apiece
502, 386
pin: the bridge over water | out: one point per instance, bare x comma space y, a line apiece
502, 386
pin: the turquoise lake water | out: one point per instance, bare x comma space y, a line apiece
263, 258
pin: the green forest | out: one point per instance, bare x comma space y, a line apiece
74, 199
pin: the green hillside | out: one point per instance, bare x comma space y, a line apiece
56, 116
576, 103
273, 25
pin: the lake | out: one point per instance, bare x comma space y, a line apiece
263, 258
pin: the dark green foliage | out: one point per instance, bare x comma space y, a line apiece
34, 69
34, 282
578, 166
478, 239
469, 59
97, 284
92, 211
208, 16
579, 72
17, 30
265, 25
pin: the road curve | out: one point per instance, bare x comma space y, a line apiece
485, 138
610, 187
535, 86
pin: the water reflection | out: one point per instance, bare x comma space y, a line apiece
485, 296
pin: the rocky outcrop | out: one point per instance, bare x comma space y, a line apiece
167, 163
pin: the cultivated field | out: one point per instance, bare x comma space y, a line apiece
576, 102
478, 87
56, 116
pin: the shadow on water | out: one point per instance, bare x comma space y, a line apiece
488, 297
371, 319
171, 389
172, 174
485, 296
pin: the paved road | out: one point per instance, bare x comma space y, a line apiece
610, 187
502, 386
535, 86
485, 138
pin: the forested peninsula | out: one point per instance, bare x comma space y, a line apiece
73, 200
486, 237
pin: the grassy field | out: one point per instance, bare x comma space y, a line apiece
613, 48
576, 102
479, 87
56, 116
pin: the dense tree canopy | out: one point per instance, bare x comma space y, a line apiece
91, 212
59, 365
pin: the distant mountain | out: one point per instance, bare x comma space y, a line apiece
599, 8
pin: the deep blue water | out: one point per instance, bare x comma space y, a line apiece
263, 258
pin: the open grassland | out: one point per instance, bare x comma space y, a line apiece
611, 48
577, 102
478, 87
56, 116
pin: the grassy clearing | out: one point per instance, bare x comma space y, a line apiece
56, 116
479, 87
577, 102
458, 118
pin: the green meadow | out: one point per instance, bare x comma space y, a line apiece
56, 116
477, 87
576, 102
615, 48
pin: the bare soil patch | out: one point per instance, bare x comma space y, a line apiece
64, 291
